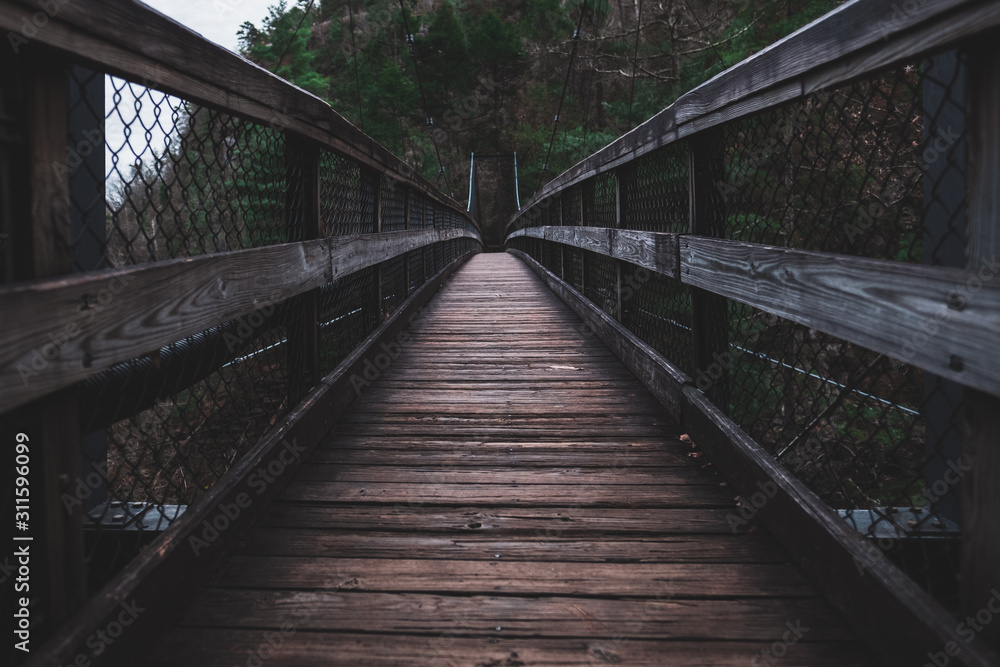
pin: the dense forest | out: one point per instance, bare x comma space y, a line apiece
436, 80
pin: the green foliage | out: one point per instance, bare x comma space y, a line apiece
492, 72
283, 47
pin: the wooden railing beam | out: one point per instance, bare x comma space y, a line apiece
856, 39
159, 303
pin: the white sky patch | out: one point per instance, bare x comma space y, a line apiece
217, 21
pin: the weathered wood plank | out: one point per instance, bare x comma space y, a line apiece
161, 577
980, 492
932, 317
589, 455
651, 250
56, 443
555, 548
485, 477
534, 495
883, 604
662, 380
135, 41
666, 618
217, 648
569, 519
490, 575
71, 328
854, 39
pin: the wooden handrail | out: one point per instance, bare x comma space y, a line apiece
72, 327
655, 251
888, 608
943, 319
128, 38
878, 304
857, 38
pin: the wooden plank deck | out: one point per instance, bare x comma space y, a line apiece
506, 494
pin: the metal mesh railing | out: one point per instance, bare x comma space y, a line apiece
873, 168
154, 177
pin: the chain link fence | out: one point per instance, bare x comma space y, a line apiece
873, 168
154, 177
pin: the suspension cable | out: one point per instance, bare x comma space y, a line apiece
590, 82
635, 62
420, 84
395, 69
710, 42
291, 39
354, 57
472, 167
569, 70
517, 194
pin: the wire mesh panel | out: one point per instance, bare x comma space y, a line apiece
415, 270
181, 180
840, 171
186, 180
572, 206
393, 288
348, 313
347, 197
421, 216
601, 281
658, 310
654, 191
600, 200
573, 267
156, 177
392, 199
874, 168
178, 437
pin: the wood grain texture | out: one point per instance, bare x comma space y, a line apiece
103, 318
880, 608
559, 577
452, 500
651, 250
327, 608
129, 39
898, 309
535, 546
163, 576
459, 646
570, 519
854, 39
659, 376
899, 619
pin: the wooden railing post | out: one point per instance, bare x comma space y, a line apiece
54, 429
406, 225
88, 223
944, 205
562, 222
981, 450
586, 198
618, 225
709, 312
374, 180
302, 207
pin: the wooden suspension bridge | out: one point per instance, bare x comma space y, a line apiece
457, 457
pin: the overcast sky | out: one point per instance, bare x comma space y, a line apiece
216, 21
